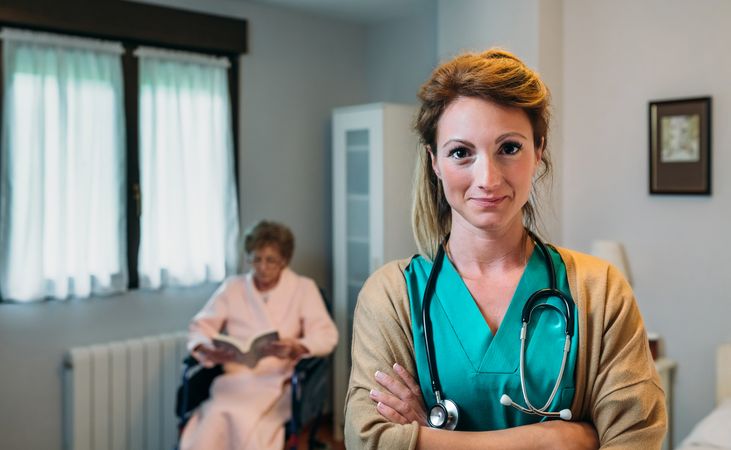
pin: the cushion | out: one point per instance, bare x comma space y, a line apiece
714, 430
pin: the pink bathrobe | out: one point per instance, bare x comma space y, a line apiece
249, 406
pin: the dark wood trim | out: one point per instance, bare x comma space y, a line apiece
130, 70
130, 22
2, 118
233, 86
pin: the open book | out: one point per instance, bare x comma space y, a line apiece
247, 352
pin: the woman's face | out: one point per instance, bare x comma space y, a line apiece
267, 264
486, 160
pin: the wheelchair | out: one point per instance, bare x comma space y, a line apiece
309, 390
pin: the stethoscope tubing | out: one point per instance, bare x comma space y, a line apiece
426, 321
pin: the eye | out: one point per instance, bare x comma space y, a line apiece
510, 147
459, 153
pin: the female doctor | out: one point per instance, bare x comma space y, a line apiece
490, 338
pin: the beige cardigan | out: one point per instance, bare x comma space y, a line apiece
617, 386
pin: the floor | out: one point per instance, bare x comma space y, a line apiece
324, 436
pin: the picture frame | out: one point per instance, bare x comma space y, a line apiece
680, 146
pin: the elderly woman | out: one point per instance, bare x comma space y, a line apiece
249, 406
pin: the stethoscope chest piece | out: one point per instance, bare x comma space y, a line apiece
444, 415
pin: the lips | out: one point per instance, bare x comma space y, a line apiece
489, 202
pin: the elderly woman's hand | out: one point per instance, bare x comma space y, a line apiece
286, 349
210, 356
401, 402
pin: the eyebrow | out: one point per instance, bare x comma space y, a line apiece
459, 141
500, 138
504, 136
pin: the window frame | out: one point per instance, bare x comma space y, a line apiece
155, 26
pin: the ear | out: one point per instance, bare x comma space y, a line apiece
433, 160
539, 151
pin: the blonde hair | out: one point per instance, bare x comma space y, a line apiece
494, 75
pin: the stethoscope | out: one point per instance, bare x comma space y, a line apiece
445, 413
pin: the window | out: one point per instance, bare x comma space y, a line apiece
189, 222
63, 184
61, 198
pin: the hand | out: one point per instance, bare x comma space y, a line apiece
285, 349
402, 401
210, 356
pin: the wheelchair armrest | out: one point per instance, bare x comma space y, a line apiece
308, 365
309, 389
310, 373
194, 388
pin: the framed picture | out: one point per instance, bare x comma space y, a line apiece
680, 146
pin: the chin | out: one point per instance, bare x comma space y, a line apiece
492, 221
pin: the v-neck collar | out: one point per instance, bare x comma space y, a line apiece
486, 352
281, 297
257, 306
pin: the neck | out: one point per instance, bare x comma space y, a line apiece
264, 287
475, 252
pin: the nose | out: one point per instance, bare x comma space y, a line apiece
488, 173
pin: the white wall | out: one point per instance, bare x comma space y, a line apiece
550, 66
298, 68
475, 25
618, 55
401, 55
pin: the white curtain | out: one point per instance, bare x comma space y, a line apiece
62, 222
189, 224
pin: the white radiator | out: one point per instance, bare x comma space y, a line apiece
121, 395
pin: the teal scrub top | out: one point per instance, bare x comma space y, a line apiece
476, 368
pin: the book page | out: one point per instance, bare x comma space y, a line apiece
247, 352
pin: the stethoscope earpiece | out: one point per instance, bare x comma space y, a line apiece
505, 400
564, 414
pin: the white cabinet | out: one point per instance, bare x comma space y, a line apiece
374, 155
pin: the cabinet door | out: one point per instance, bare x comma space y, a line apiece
355, 139
357, 218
